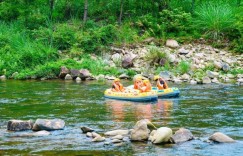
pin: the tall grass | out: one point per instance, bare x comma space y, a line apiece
214, 19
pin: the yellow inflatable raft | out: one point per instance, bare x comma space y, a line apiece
132, 95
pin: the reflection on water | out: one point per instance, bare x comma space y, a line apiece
158, 109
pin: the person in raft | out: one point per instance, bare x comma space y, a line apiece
161, 84
147, 87
138, 83
117, 86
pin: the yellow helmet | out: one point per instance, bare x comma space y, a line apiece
138, 78
116, 79
146, 80
156, 77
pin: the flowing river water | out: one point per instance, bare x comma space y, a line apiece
203, 109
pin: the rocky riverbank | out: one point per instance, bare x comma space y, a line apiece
192, 63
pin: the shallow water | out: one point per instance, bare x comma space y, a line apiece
204, 109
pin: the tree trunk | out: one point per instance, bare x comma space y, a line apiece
51, 4
85, 10
121, 12
193, 6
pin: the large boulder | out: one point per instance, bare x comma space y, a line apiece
140, 131
84, 73
63, 72
185, 77
221, 138
172, 43
182, 135
48, 124
19, 125
117, 132
75, 73
127, 62
161, 135
124, 76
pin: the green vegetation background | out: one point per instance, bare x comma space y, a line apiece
37, 37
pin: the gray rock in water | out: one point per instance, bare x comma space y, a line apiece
182, 135
78, 79
206, 80
47, 124
120, 137
98, 139
117, 132
68, 77
221, 138
19, 125
226, 67
86, 129
140, 131
116, 141
63, 72
193, 82
172, 43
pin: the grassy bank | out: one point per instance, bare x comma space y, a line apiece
34, 42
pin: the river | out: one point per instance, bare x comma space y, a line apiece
203, 109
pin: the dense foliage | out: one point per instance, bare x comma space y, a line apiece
35, 35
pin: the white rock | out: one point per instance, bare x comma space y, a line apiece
185, 77
162, 135
3, 77
116, 141
193, 82
206, 80
89, 134
116, 57
230, 76
221, 138
183, 51
212, 74
117, 132
98, 139
120, 137
78, 79
172, 43
68, 77
215, 80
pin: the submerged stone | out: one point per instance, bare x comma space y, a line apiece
19, 125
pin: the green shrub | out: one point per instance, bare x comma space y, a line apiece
64, 36
155, 55
183, 67
214, 19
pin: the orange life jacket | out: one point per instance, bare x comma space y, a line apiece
162, 86
117, 87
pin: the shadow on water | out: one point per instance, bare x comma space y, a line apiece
204, 109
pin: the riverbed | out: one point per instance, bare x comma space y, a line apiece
203, 109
